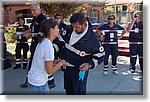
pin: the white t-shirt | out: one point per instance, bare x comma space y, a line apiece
44, 51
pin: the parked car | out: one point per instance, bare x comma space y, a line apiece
28, 22
96, 23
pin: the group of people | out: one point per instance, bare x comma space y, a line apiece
110, 42
74, 49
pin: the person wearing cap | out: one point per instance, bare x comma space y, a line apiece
136, 41
110, 43
21, 44
81, 50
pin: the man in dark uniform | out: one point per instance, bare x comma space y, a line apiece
136, 42
82, 51
35, 27
62, 26
21, 44
110, 43
63, 30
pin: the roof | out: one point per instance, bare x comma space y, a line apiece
111, 2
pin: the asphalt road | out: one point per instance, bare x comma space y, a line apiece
124, 83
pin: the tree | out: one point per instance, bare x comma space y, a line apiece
65, 9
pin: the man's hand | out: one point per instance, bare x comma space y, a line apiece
84, 67
27, 35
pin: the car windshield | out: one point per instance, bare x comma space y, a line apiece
29, 20
93, 20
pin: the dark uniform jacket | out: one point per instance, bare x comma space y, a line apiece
35, 28
136, 36
88, 49
111, 36
20, 29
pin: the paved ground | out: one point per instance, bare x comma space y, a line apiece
98, 83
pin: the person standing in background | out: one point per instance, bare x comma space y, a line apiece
21, 44
38, 17
110, 44
136, 41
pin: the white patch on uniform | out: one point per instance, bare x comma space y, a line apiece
101, 49
64, 32
82, 53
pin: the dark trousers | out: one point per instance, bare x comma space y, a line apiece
113, 50
32, 50
136, 49
25, 48
72, 84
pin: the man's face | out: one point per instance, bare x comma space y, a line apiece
58, 19
34, 11
79, 28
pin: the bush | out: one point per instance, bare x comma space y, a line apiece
9, 34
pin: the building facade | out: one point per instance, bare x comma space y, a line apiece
12, 11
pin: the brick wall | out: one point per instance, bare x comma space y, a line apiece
10, 15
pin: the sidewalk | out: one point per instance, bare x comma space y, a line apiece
98, 84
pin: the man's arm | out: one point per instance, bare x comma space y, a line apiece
97, 54
28, 34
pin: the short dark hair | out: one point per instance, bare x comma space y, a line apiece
77, 17
20, 18
57, 14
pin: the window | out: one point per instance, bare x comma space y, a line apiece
124, 8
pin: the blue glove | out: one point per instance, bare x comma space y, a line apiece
81, 74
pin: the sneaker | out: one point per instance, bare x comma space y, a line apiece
139, 71
105, 72
24, 67
24, 85
51, 85
115, 72
132, 71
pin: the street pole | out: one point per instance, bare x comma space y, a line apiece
115, 7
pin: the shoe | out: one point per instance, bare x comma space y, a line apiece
17, 66
51, 85
24, 85
24, 67
115, 72
105, 72
139, 71
132, 71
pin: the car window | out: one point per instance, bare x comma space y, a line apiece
29, 20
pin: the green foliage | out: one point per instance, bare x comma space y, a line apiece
64, 8
9, 31
107, 10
